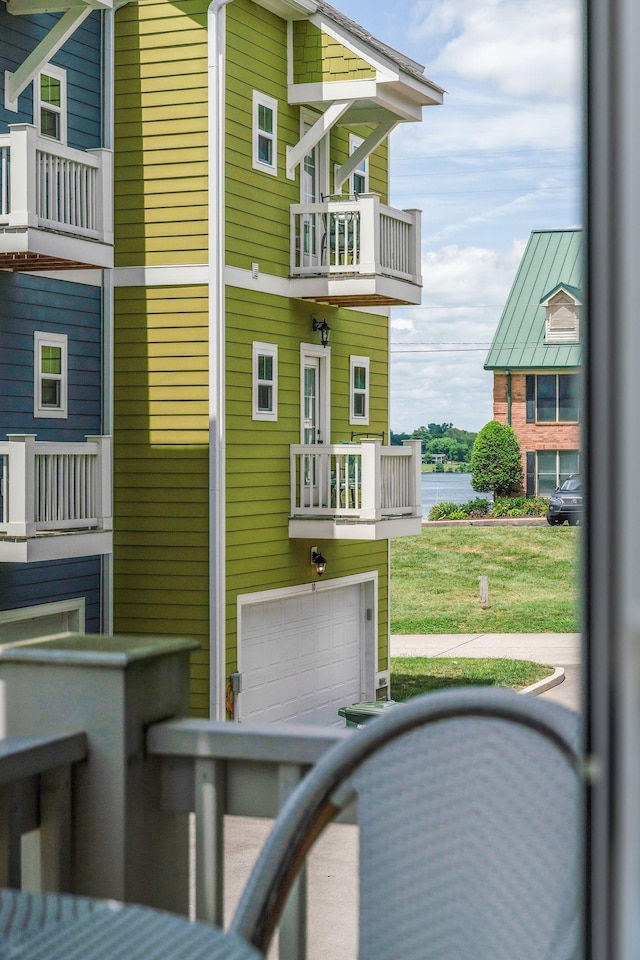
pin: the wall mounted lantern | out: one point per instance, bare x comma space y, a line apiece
324, 328
318, 561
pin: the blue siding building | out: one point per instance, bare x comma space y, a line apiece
56, 248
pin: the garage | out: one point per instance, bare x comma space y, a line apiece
304, 655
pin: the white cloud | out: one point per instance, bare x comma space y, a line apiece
465, 289
527, 48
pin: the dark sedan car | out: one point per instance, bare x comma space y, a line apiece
566, 503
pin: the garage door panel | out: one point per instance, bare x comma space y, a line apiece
301, 656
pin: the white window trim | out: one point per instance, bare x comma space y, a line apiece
261, 99
41, 339
265, 350
324, 355
51, 71
353, 363
74, 611
354, 143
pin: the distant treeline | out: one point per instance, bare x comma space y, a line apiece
441, 438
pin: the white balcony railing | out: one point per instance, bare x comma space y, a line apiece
361, 481
357, 237
54, 487
46, 184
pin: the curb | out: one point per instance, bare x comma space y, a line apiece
547, 683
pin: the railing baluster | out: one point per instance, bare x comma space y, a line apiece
210, 799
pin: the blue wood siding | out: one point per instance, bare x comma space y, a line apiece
80, 57
25, 585
29, 303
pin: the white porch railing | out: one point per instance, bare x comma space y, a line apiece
355, 237
361, 481
54, 486
46, 184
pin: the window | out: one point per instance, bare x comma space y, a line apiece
359, 181
50, 107
265, 381
547, 469
265, 133
50, 368
562, 321
553, 398
359, 390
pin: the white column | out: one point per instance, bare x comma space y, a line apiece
415, 476
371, 480
415, 245
104, 496
21, 485
104, 194
23, 175
369, 234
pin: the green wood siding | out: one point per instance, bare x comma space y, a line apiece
317, 57
257, 212
161, 468
161, 133
260, 555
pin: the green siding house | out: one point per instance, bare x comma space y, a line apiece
256, 262
536, 359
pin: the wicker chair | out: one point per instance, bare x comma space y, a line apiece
470, 831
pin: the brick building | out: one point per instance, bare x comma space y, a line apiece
536, 359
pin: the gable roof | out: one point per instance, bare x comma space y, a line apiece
412, 67
552, 259
573, 292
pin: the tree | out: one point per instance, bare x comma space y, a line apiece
496, 463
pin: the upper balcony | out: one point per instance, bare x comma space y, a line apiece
55, 499
55, 204
355, 491
356, 252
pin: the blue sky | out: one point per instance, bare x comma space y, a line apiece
499, 159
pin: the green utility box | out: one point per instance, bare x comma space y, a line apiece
360, 713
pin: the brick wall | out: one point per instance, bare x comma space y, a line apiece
531, 436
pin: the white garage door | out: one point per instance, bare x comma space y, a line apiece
302, 656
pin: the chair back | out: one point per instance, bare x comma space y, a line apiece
470, 831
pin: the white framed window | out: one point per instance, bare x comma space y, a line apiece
359, 179
359, 390
50, 374
265, 133
265, 381
50, 103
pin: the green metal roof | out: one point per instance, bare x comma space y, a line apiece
552, 258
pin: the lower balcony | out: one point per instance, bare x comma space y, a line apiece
355, 491
55, 499
355, 252
55, 204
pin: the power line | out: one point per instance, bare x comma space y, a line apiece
484, 153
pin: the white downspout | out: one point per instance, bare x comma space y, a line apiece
108, 81
216, 25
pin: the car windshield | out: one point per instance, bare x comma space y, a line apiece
573, 483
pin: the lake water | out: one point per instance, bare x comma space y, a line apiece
454, 487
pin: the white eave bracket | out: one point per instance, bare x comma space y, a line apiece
15, 83
322, 126
367, 147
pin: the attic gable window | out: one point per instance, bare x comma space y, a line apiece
562, 320
265, 133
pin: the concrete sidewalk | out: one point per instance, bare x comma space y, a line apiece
555, 649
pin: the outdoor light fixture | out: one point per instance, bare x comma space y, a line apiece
318, 561
324, 328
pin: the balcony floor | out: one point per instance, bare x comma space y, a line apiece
323, 528
56, 546
30, 249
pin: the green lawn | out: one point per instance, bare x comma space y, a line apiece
411, 676
533, 580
